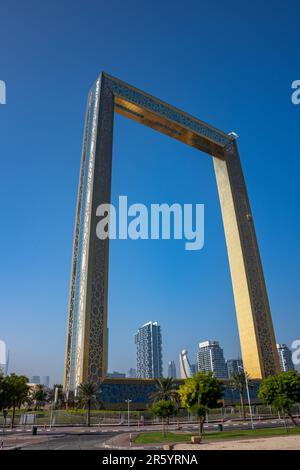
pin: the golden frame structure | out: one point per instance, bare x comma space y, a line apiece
86, 345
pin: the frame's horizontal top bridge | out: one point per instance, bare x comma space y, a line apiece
152, 112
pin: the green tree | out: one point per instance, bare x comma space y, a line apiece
200, 393
164, 409
3, 393
39, 396
281, 392
166, 389
87, 393
16, 391
238, 383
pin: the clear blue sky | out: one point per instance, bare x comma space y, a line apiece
228, 63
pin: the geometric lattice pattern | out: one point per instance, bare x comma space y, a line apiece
86, 345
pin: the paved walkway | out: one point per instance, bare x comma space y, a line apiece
125, 441
266, 443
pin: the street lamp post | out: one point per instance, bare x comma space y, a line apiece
4, 424
67, 399
53, 403
51, 415
128, 410
248, 395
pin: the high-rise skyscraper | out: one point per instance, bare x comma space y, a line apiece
131, 373
35, 379
211, 359
185, 367
285, 358
4, 357
45, 380
116, 375
234, 366
172, 369
149, 351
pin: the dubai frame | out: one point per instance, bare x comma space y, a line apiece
86, 345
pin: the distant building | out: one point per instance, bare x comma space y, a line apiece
234, 366
211, 359
185, 367
172, 369
116, 375
35, 379
4, 358
194, 368
285, 358
46, 381
131, 373
32, 386
149, 351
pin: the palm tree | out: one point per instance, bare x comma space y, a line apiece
166, 389
238, 383
87, 393
16, 391
3, 392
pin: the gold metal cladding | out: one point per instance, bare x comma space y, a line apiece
254, 319
165, 126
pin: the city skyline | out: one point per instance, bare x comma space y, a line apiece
129, 370
141, 285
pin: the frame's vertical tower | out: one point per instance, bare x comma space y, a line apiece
86, 349
255, 325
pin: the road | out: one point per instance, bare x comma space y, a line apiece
86, 441
63, 438
239, 425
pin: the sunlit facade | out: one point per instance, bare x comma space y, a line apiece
86, 344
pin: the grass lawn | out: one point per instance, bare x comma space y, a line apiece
157, 437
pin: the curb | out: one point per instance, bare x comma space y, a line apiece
109, 445
106, 446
